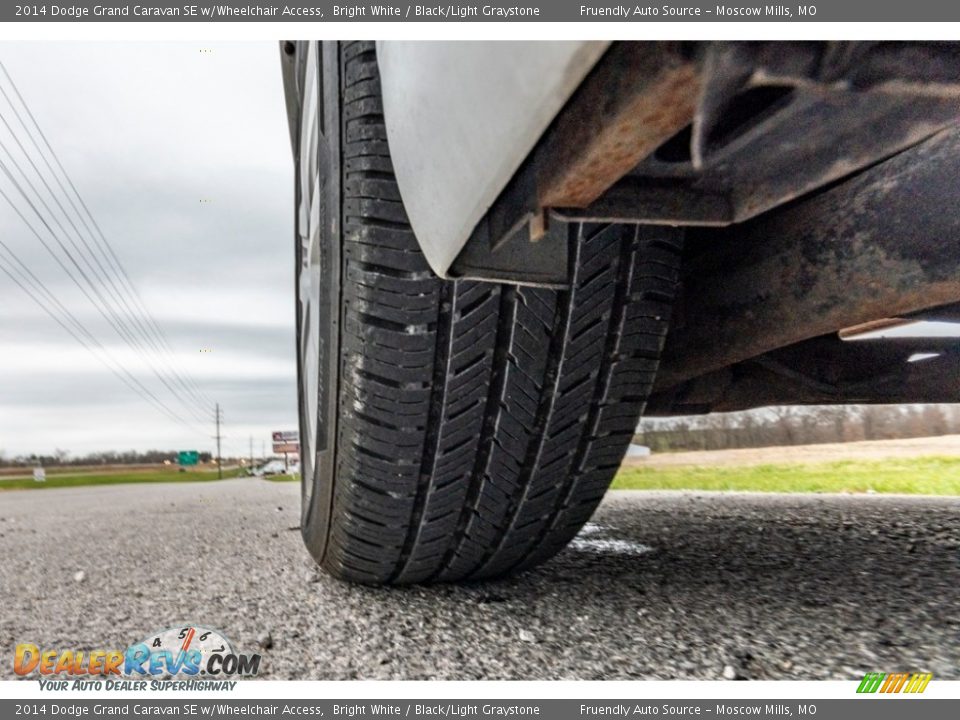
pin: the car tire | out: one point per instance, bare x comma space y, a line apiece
455, 429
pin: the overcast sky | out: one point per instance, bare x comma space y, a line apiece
147, 131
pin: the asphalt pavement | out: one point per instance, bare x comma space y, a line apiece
660, 585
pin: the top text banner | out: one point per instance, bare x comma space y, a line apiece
859, 11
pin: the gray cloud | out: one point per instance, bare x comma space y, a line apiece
147, 131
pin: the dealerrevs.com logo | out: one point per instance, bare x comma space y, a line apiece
188, 651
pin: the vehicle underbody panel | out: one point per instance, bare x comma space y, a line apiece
711, 134
765, 299
818, 183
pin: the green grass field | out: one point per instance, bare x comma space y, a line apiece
118, 478
920, 476
282, 478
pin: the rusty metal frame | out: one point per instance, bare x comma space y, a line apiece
641, 95
883, 244
635, 99
711, 134
822, 371
775, 121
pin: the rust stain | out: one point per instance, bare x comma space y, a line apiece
652, 115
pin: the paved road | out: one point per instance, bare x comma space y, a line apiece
662, 585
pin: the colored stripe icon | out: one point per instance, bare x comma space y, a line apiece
894, 682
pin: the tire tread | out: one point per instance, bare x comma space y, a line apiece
480, 423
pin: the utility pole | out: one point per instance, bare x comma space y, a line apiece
251, 454
217, 436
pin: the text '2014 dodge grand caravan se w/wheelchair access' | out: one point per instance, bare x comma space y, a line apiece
506, 252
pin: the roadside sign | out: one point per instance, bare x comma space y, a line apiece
286, 441
188, 457
39, 475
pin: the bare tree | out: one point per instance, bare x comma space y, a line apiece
798, 426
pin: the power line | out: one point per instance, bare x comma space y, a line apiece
118, 295
138, 329
133, 383
102, 307
157, 338
101, 304
24, 270
102, 271
96, 271
112, 259
128, 334
218, 437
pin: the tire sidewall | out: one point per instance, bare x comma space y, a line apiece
319, 470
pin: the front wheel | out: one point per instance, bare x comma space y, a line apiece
453, 429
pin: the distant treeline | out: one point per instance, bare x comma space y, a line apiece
123, 457
798, 426
755, 428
